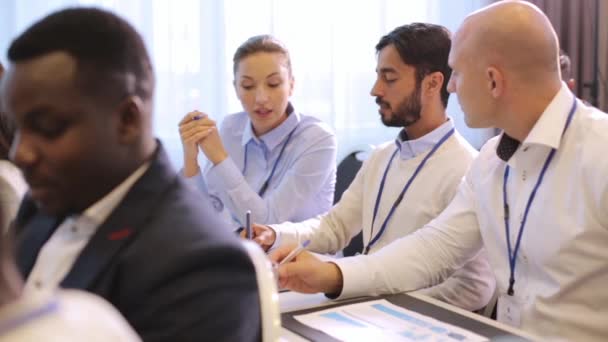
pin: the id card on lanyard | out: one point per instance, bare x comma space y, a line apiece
509, 310
264, 186
509, 306
374, 239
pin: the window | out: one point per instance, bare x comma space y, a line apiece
331, 42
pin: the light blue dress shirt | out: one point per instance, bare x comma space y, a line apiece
302, 185
409, 149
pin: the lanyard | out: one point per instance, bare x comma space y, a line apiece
400, 197
264, 187
512, 255
7, 326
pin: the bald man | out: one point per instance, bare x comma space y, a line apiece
535, 197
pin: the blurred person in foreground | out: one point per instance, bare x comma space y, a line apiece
107, 212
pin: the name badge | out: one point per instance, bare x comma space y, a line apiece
509, 310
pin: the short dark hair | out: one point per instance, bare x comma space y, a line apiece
426, 47
261, 43
111, 56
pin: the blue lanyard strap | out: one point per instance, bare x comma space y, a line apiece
512, 254
11, 324
264, 187
401, 195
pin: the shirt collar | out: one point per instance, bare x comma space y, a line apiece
97, 213
248, 133
547, 131
409, 149
276, 135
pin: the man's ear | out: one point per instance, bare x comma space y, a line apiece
571, 84
131, 119
430, 88
434, 82
495, 81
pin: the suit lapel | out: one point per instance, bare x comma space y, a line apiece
33, 229
124, 223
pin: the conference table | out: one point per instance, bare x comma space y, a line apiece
292, 301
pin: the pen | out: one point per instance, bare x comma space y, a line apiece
248, 231
294, 253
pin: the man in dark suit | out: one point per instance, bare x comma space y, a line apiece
106, 212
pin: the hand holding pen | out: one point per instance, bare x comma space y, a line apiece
263, 235
198, 130
190, 133
301, 271
294, 253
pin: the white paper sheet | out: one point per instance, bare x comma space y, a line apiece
380, 320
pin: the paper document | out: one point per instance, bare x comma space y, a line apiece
380, 320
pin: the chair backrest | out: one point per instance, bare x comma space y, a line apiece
345, 174
269, 295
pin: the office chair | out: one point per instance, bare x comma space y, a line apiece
269, 295
345, 174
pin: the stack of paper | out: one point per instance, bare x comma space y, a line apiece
381, 320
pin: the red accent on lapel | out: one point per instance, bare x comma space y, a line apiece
120, 234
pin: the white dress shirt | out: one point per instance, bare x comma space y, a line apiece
562, 266
430, 192
59, 253
63, 316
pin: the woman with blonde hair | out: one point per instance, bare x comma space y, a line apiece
268, 159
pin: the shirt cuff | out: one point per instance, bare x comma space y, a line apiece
355, 283
226, 175
197, 182
282, 235
277, 237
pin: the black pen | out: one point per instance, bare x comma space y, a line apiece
248, 230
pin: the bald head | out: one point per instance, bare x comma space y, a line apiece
505, 66
515, 36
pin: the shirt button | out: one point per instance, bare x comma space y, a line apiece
38, 284
74, 229
526, 148
523, 175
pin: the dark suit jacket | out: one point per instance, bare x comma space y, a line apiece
163, 259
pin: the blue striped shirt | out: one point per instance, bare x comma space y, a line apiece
302, 185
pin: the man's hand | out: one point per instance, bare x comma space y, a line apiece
307, 274
263, 235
